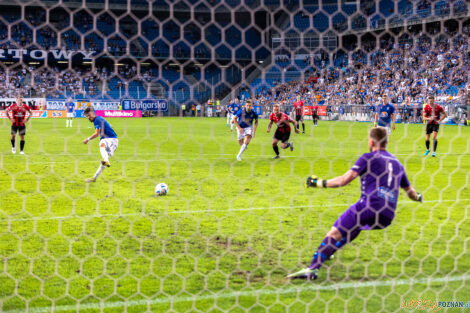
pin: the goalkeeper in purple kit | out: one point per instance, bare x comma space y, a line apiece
382, 175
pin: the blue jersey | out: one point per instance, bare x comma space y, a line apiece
106, 130
235, 108
70, 106
385, 114
245, 119
382, 175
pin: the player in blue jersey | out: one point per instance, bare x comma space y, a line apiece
235, 107
382, 175
243, 120
70, 108
385, 115
229, 112
108, 140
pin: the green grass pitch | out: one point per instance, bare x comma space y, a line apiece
228, 232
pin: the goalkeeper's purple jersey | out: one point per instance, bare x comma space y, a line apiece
382, 175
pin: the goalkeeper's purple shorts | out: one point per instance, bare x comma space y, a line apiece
359, 218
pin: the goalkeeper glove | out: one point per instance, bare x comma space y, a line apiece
314, 181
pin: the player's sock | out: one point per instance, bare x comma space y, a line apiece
242, 149
427, 144
21, 145
13, 143
326, 249
303, 127
98, 172
276, 149
70, 123
434, 144
287, 145
104, 154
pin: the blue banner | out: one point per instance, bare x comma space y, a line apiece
82, 104
79, 113
145, 105
257, 109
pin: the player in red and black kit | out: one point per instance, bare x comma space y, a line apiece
315, 115
299, 113
283, 129
20, 115
433, 114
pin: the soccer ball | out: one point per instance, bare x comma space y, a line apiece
161, 189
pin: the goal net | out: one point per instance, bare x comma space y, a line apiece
228, 233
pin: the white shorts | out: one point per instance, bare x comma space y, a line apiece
245, 131
70, 114
388, 128
111, 145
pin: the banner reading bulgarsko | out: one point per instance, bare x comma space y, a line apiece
83, 104
145, 105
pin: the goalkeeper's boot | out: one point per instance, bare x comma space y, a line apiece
105, 163
426, 153
276, 157
90, 180
434, 154
291, 146
306, 273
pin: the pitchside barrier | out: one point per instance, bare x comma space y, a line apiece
458, 113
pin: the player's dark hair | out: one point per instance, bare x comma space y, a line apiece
87, 110
431, 97
379, 135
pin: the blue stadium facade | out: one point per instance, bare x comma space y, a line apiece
189, 51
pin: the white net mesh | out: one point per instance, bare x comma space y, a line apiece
228, 233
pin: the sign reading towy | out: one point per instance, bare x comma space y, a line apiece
42, 54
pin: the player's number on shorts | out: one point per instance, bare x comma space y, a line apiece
390, 172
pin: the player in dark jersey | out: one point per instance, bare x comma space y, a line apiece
20, 115
246, 129
108, 140
433, 114
299, 113
385, 115
283, 130
315, 115
382, 175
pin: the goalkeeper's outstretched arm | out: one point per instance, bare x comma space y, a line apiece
349, 176
340, 181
